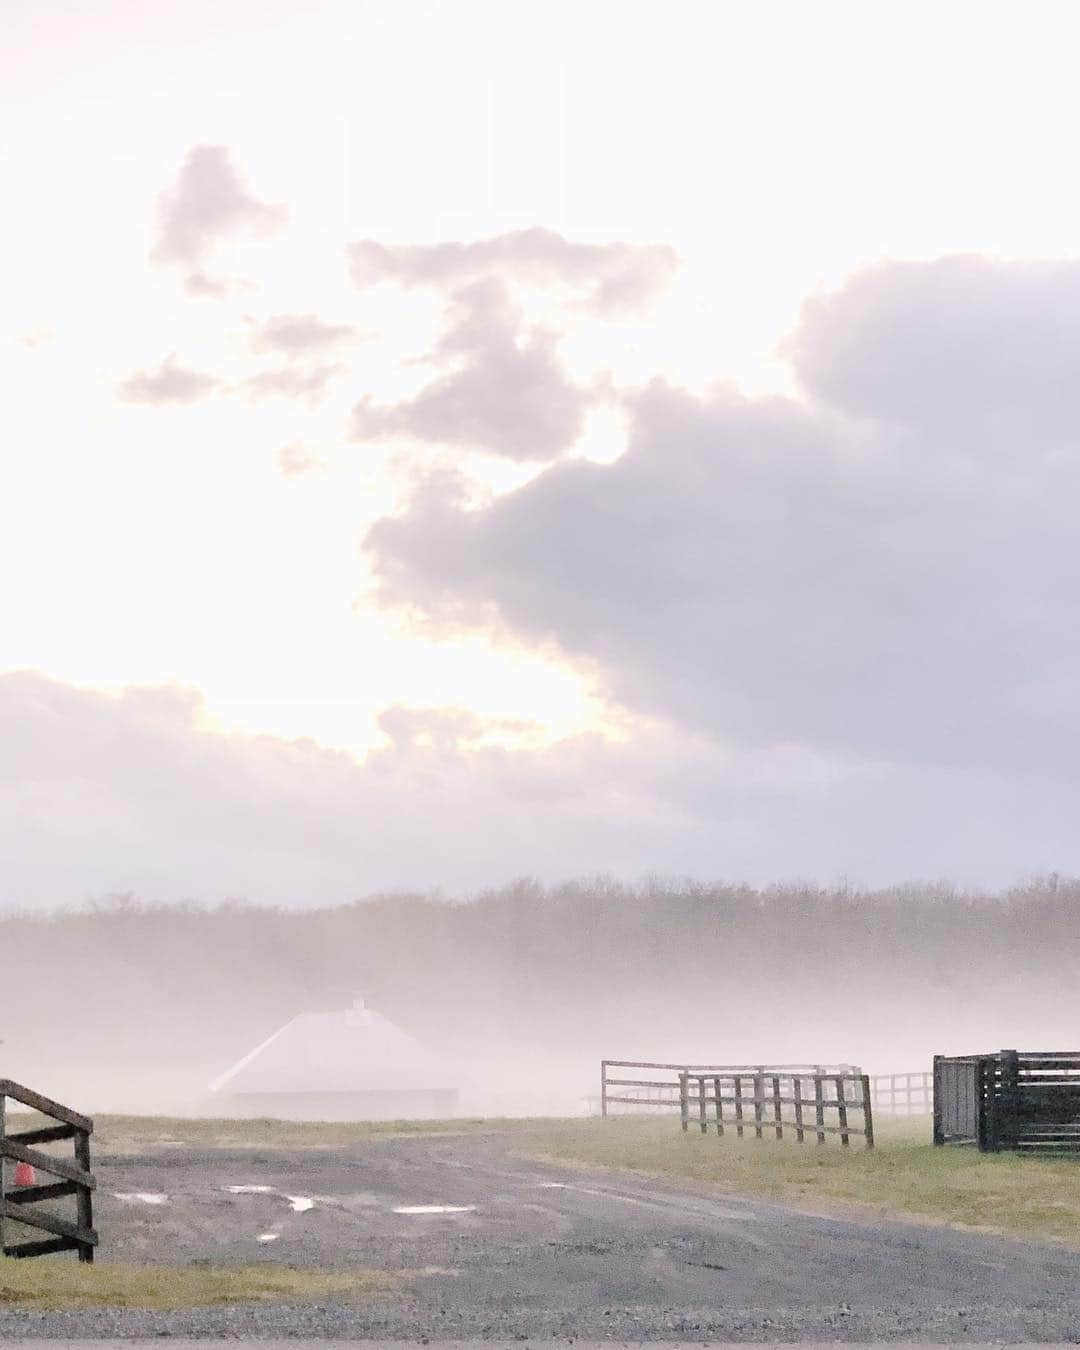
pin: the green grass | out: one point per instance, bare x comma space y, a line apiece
904, 1176
53, 1283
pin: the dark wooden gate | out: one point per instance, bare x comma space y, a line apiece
20, 1203
1025, 1100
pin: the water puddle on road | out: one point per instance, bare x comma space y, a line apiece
141, 1197
268, 1237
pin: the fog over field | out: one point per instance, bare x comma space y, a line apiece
135, 1008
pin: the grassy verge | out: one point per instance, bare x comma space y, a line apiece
904, 1176
66, 1284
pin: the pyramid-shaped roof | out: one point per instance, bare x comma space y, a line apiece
356, 1050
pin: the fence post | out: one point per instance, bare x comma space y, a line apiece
796, 1083
603, 1087
759, 1103
1009, 1129
842, 1112
684, 1100
990, 1104
819, 1106
719, 1108
84, 1196
703, 1103
738, 1105
777, 1113
939, 1124
868, 1112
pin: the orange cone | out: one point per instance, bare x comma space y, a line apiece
24, 1174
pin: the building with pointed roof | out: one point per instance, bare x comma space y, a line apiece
349, 1065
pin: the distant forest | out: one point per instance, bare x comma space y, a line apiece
540, 981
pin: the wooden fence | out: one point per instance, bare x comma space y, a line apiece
1024, 1100
757, 1101
634, 1085
19, 1204
902, 1094
743, 1096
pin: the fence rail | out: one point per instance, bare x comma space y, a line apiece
632, 1086
902, 1094
1023, 1100
19, 1203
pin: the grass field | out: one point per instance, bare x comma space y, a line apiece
65, 1284
904, 1176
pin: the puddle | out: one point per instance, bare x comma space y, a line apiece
268, 1237
300, 1203
141, 1197
554, 1186
249, 1190
434, 1209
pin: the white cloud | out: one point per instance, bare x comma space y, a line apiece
209, 203
170, 383
611, 280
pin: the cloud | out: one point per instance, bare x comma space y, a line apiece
299, 335
610, 280
209, 203
295, 460
895, 589
310, 384
507, 393
962, 346
171, 383
103, 793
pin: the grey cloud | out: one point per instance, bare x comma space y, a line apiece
900, 593
310, 384
507, 394
298, 335
208, 203
171, 383
102, 793
610, 279
964, 346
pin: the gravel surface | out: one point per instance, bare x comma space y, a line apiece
519, 1250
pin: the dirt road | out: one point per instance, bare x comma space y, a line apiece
514, 1249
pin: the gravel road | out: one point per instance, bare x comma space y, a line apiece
512, 1249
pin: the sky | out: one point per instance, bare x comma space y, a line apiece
445, 443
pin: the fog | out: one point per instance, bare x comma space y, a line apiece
136, 1008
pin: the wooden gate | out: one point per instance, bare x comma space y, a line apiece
959, 1108
19, 1203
